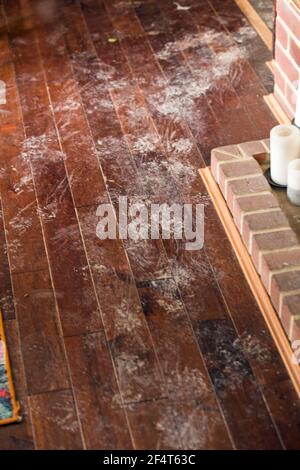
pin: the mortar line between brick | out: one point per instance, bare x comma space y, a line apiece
288, 30
287, 104
220, 150
261, 193
236, 160
291, 58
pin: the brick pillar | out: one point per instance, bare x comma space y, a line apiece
287, 54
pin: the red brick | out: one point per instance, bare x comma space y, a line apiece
216, 158
254, 149
262, 221
290, 114
295, 50
290, 309
281, 33
291, 95
286, 64
280, 79
276, 261
246, 185
289, 16
281, 283
242, 167
252, 203
271, 241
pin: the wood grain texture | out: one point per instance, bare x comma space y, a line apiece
115, 339
256, 21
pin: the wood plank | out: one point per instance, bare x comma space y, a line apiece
256, 21
224, 95
99, 402
195, 427
244, 407
152, 368
134, 52
55, 422
135, 359
129, 123
108, 261
6, 297
257, 54
40, 331
24, 237
85, 177
75, 291
119, 346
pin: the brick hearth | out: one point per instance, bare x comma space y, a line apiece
263, 225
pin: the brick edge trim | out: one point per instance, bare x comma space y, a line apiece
262, 224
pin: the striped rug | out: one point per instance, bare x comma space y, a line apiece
9, 407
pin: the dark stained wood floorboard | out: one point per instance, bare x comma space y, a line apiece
37, 355
257, 52
265, 9
99, 100
6, 296
268, 356
139, 380
176, 365
55, 421
133, 40
158, 296
169, 365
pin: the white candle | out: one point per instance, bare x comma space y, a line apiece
297, 114
284, 147
293, 190
2, 92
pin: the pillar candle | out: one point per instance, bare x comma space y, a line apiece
293, 190
284, 147
2, 92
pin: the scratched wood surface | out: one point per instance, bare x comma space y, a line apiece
130, 344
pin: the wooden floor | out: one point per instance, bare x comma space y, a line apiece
135, 344
265, 9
